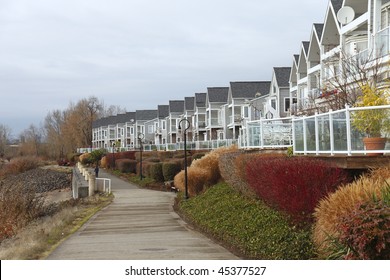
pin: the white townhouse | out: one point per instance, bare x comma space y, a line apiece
277, 103
216, 98
144, 122
176, 110
199, 119
161, 133
189, 109
237, 110
355, 35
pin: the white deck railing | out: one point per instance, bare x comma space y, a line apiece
329, 133
267, 133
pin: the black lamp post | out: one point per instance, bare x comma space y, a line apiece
140, 138
113, 155
188, 124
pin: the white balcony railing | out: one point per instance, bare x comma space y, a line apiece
382, 39
329, 133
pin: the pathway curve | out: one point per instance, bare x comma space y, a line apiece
139, 224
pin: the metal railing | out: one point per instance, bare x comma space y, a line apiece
331, 133
103, 184
192, 145
328, 133
267, 133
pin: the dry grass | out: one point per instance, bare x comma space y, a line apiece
40, 237
203, 172
19, 165
197, 178
343, 202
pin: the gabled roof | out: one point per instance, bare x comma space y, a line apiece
282, 75
176, 106
305, 45
146, 115
302, 63
189, 103
319, 27
249, 89
296, 59
331, 29
293, 73
313, 54
200, 100
337, 4
163, 111
217, 94
113, 120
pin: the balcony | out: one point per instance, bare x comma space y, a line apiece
236, 119
382, 40
214, 122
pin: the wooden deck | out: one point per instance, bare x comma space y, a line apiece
357, 162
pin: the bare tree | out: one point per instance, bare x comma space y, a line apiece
343, 80
54, 126
32, 141
5, 136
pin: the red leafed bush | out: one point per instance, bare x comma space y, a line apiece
293, 185
366, 232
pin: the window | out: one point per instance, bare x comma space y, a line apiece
150, 129
287, 104
163, 125
246, 112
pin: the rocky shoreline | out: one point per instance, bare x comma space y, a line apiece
40, 180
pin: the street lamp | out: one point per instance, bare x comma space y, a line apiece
113, 155
188, 124
140, 138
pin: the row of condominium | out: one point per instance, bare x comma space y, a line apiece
355, 33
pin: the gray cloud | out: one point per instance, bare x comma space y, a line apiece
139, 54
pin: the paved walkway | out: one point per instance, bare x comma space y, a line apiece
139, 224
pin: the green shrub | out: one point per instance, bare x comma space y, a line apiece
152, 159
156, 172
170, 169
247, 225
233, 171
164, 155
365, 232
126, 165
342, 203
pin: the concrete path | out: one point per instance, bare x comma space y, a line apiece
139, 224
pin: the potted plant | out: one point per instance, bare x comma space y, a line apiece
375, 124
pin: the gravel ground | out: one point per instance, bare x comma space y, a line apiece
41, 180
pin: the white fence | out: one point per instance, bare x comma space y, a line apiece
267, 133
331, 133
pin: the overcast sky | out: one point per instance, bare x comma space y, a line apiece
139, 53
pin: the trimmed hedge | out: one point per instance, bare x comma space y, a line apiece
156, 172
294, 185
170, 169
126, 165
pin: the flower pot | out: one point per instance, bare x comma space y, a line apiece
374, 143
